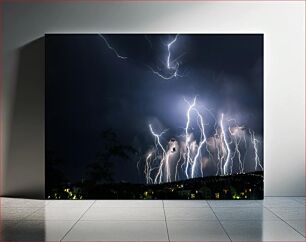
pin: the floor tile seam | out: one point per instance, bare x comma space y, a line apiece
168, 236
287, 223
73, 225
112, 220
246, 207
220, 223
126, 207
284, 207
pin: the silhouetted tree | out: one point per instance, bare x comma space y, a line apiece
101, 170
53, 171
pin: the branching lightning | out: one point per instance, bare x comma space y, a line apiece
171, 76
112, 48
172, 66
228, 151
255, 143
187, 136
226, 145
159, 175
202, 142
169, 66
185, 158
237, 135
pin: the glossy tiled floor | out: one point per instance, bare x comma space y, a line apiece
274, 219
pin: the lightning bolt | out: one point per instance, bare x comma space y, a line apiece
187, 135
112, 48
176, 167
169, 52
173, 75
164, 158
223, 135
245, 148
148, 169
236, 138
191, 156
227, 140
193, 161
172, 69
202, 142
216, 139
255, 142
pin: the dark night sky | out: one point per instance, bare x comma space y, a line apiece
89, 89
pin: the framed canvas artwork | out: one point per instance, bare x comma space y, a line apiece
154, 116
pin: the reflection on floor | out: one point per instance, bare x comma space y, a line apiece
274, 219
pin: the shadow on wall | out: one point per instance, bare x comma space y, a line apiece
29, 230
24, 170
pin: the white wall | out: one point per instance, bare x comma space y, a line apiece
283, 25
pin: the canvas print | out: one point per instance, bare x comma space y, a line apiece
154, 116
